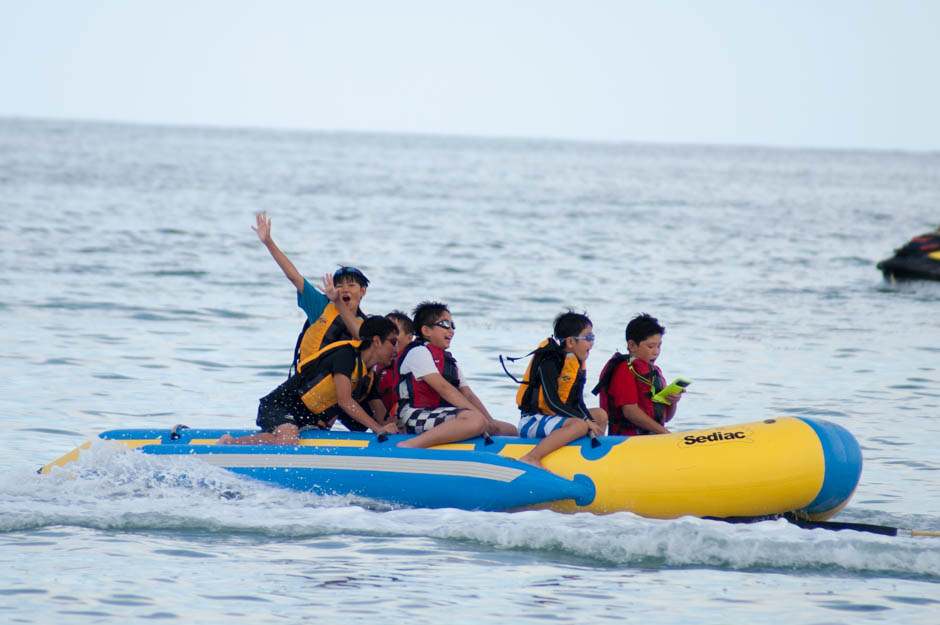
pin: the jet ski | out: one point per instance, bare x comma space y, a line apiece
919, 259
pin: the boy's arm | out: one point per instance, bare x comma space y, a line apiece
379, 413
447, 390
351, 407
637, 417
548, 377
475, 401
670, 411
264, 233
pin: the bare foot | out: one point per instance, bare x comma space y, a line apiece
225, 439
532, 461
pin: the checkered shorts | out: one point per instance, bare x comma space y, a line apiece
418, 420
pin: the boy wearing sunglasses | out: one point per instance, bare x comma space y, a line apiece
628, 382
436, 403
333, 315
551, 395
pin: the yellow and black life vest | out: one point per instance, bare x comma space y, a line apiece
531, 397
318, 392
328, 328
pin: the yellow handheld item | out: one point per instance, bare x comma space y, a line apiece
675, 388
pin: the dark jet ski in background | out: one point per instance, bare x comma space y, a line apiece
919, 259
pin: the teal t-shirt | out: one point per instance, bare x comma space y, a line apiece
312, 301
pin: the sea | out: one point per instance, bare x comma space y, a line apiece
134, 294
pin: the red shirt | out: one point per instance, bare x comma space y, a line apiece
626, 389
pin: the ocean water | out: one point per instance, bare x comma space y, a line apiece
133, 293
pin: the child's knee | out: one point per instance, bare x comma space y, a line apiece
473, 418
578, 425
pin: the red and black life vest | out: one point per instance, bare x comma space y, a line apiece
418, 393
618, 424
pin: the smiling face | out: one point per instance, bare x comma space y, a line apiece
349, 291
581, 345
437, 335
646, 350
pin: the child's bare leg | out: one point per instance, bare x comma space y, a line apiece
600, 417
500, 428
572, 429
284, 434
467, 424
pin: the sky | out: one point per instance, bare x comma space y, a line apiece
796, 73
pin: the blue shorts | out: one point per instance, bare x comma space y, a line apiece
539, 425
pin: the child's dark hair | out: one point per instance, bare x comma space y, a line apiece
376, 326
350, 273
642, 327
427, 314
570, 323
402, 320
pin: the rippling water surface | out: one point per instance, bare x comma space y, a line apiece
134, 294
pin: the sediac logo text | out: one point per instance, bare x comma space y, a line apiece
714, 437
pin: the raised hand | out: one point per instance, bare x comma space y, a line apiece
328, 289
264, 227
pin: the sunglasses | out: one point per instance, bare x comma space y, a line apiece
447, 324
350, 271
587, 337
393, 341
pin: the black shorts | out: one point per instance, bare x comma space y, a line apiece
275, 410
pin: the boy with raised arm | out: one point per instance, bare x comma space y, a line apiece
628, 382
337, 380
335, 316
436, 403
551, 395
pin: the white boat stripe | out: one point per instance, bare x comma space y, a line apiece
461, 468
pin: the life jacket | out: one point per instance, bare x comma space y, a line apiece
531, 397
328, 328
318, 392
654, 382
419, 393
388, 387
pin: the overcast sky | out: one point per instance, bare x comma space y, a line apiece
790, 73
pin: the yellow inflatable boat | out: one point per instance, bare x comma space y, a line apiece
794, 465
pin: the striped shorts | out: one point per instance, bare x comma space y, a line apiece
418, 420
539, 425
